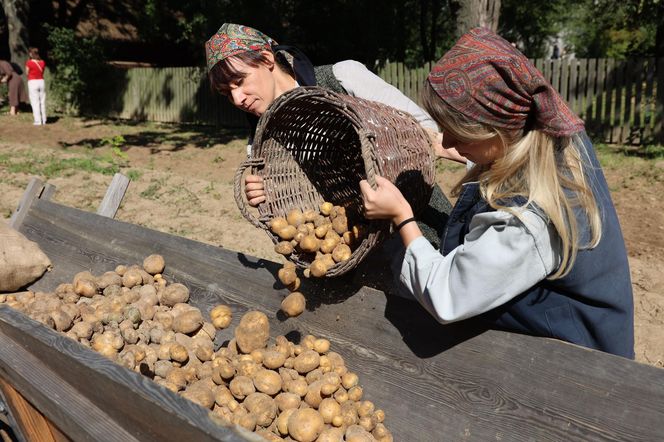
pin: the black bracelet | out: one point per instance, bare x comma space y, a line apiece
404, 222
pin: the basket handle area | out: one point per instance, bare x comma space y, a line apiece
238, 190
367, 140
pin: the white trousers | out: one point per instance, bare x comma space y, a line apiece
37, 93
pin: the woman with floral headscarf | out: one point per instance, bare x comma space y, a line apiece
252, 70
533, 243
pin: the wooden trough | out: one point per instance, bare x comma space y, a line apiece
434, 382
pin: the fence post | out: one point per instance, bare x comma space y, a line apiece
659, 101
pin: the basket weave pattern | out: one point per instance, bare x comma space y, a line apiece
314, 145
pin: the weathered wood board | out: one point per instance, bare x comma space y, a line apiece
435, 382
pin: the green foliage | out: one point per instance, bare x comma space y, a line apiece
615, 29
79, 67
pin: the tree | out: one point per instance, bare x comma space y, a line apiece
473, 13
16, 12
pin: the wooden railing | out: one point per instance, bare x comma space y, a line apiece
620, 101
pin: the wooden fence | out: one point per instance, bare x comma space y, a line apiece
620, 101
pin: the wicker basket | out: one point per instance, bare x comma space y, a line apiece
314, 145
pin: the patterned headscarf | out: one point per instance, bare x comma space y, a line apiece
487, 79
232, 39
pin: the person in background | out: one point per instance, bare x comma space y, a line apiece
533, 244
252, 70
14, 85
34, 68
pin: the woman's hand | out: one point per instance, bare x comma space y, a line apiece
254, 190
442, 152
386, 202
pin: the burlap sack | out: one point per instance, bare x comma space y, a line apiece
21, 260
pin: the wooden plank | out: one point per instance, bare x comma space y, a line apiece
91, 398
564, 80
639, 78
649, 102
114, 195
601, 97
31, 423
573, 91
48, 192
31, 193
555, 73
659, 102
588, 73
618, 102
465, 383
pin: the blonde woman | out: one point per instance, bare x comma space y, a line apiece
533, 244
34, 68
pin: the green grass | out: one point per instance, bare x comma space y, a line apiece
49, 166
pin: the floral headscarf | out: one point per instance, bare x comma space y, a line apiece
487, 79
232, 39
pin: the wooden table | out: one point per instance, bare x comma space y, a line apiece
435, 382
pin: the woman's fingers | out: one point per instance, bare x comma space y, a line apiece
256, 201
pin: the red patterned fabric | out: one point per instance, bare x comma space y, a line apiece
232, 39
487, 79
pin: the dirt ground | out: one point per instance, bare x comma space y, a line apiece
182, 183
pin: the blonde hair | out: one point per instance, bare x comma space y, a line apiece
548, 172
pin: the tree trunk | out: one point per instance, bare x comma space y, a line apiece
473, 13
659, 36
16, 12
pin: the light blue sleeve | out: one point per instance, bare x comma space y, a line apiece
362, 83
500, 258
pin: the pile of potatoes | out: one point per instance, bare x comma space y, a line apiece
282, 391
295, 392
323, 238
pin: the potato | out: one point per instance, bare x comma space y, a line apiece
85, 287
262, 407
293, 304
199, 395
340, 224
349, 380
326, 208
277, 224
273, 359
305, 425
253, 331
241, 387
321, 231
331, 435
267, 381
221, 316
306, 361
297, 386
174, 294
154, 264
284, 248
282, 421
178, 353
313, 397
295, 217
341, 253
188, 322
309, 215
286, 275
132, 277
309, 244
355, 433
107, 279
328, 409
328, 244
287, 233
318, 268
286, 401
355, 393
